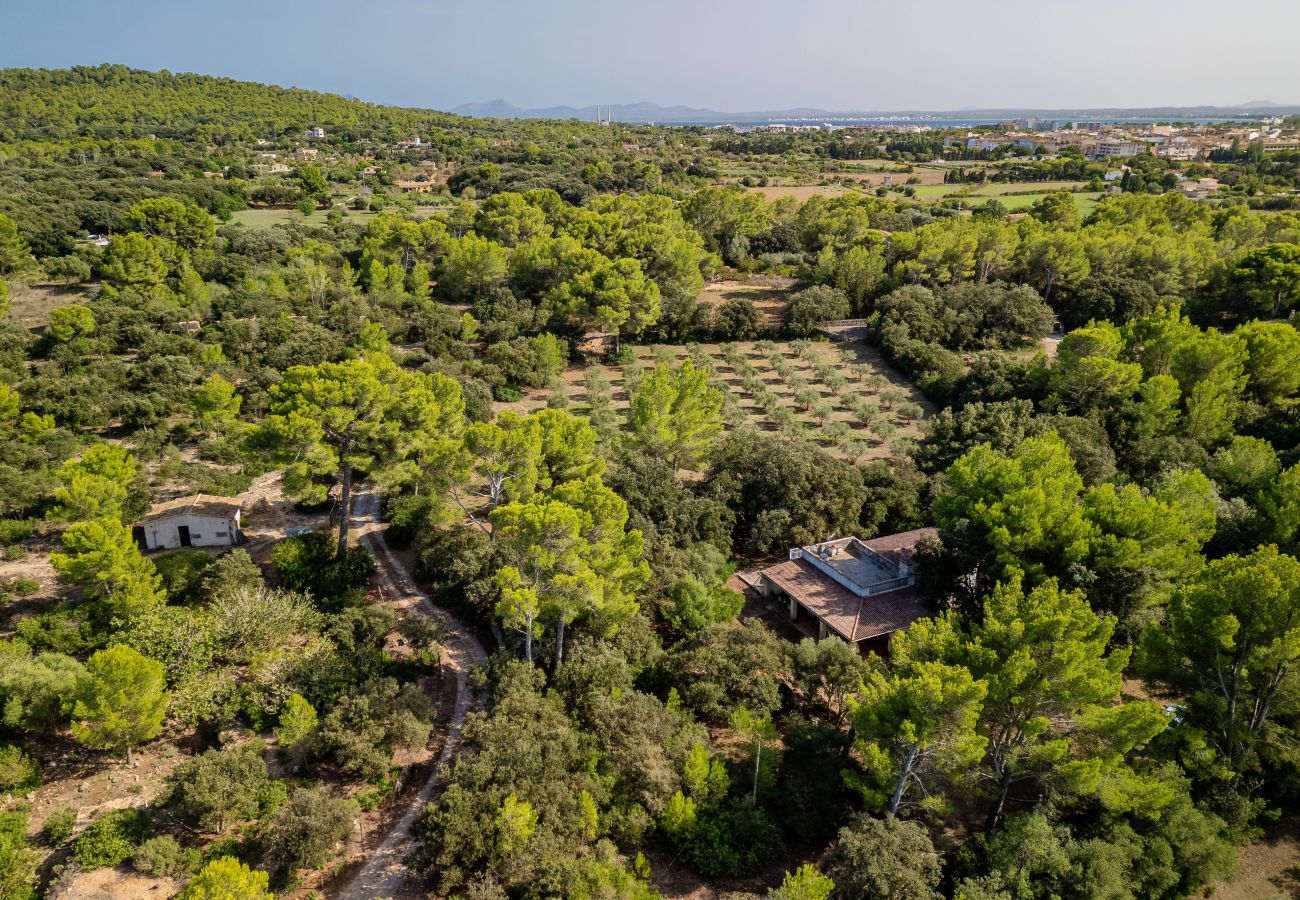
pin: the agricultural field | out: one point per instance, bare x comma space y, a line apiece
802, 192
994, 189
844, 397
265, 218
1016, 196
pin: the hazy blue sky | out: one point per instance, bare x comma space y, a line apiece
726, 54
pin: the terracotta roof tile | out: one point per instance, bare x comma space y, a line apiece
198, 505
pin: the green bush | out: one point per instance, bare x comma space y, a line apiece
14, 530
223, 483
307, 562
58, 828
622, 356
219, 788
111, 839
66, 629
18, 771
693, 605
17, 861
164, 857
385, 790
730, 840
506, 393
225, 878
182, 572
19, 587
307, 826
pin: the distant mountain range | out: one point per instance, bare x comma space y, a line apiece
653, 112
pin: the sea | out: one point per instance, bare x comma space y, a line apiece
940, 122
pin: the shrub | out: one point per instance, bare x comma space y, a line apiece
729, 841
18, 587
888, 858
622, 356
307, 826
297, 721
111, 839
506, 393
694, 605
233, 570
307, 562
58, 828
164, 857
453, 558
738, 320
18, 771
226, 878
14, 530
17, 862
182, 573
370, 722
219, 787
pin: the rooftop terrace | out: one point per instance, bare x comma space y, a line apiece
856, 566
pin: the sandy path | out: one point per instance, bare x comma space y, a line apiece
384, 873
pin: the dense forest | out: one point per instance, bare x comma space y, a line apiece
1104, 701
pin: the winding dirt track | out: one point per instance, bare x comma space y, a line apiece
384, 872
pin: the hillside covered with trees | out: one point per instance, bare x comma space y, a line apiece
198, 297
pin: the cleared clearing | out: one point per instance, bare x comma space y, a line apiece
769, 294
30, 304
1266, 869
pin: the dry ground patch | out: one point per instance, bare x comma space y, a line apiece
802, 193
30, 303
1266, 870
769, 294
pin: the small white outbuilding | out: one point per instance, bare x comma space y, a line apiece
198, 521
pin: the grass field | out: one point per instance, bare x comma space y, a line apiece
844, 397
768, 294
1016, 196
30, 304
993, 189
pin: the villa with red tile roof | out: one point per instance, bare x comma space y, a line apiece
862, 591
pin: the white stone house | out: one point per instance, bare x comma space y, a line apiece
198, 521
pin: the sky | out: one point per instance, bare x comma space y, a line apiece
729, 55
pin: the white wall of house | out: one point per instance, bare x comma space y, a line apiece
205, 531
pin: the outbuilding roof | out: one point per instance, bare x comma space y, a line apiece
198, 505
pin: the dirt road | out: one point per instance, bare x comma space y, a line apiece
384, 873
